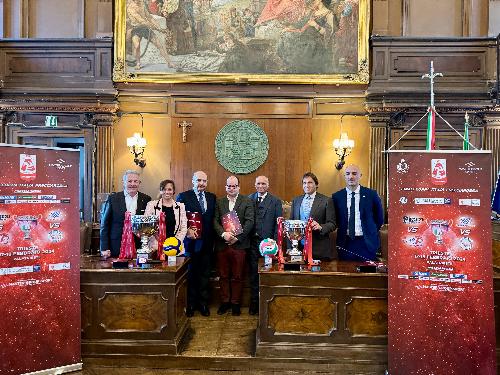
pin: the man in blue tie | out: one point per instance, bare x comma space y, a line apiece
359, 216
199, 249
320, 208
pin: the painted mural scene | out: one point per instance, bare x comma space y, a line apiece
242, 36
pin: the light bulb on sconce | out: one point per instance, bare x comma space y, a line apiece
343, 147
137, 144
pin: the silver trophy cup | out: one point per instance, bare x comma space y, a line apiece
295, 231
27, 223
145, 227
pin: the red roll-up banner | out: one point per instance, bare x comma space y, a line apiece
441, 318
39, 260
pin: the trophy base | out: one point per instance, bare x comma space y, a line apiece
294, 264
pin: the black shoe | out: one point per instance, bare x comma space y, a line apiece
204, 310
223, 308
235, 309
254, 308
189, 311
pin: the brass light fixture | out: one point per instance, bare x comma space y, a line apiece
137, 144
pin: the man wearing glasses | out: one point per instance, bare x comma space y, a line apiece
232, 244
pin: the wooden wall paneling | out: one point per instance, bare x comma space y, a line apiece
492, 142
288, 158
238, 108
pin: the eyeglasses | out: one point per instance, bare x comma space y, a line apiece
232, 186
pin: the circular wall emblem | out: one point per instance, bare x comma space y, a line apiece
241, 146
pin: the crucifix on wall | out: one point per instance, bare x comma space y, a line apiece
185, 126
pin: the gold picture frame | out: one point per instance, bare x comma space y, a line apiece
250, 41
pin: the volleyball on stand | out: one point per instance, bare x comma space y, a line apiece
268, 247
173, 247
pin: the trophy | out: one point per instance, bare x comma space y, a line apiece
144, 227
295, 231
26, 223
438, 228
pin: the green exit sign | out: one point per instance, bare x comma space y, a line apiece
51, 121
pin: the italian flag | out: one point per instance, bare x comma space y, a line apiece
431, 129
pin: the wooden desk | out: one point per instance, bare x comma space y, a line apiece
322, 314
132, 311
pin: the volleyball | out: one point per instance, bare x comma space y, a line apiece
172, 247
268, 246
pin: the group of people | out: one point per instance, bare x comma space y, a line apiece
355, 211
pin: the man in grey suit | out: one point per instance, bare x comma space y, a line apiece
231, 247
267, 209
320, 208
113, 213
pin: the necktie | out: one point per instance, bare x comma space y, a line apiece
307, 206
202, 203
259, 201
352, 217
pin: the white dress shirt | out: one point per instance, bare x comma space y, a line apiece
357, 221
131, 202
232, 202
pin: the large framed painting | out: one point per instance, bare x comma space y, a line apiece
292, 41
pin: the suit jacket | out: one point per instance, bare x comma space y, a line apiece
244, 208
266, 214
321, 211
371, 215
190, 200
154, 208
112, 217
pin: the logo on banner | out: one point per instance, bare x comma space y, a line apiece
470, 168
403, 166
55, 236
466, 243
27, 167
438, 171
4, 239
60, 164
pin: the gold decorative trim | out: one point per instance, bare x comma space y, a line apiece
120, 73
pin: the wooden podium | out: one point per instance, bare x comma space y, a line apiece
333, 311
132, 311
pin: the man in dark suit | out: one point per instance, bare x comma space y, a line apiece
231, 247
320, 208
199, 250
113, 213
358, 228
267, 209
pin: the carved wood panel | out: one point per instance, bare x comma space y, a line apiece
367, 316
133, 312
293, 314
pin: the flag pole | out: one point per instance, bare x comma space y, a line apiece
431, 111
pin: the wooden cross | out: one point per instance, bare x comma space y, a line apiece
431, 76
185, 126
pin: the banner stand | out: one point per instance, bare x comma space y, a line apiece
441, 308
57, 370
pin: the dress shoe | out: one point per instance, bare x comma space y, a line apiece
254, 308
189, 311
204, 310
223, 308
235, 309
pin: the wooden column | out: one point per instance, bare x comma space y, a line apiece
103, 162
492, 142
378, 159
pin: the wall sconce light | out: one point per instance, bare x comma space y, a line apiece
137, 144
343, 148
